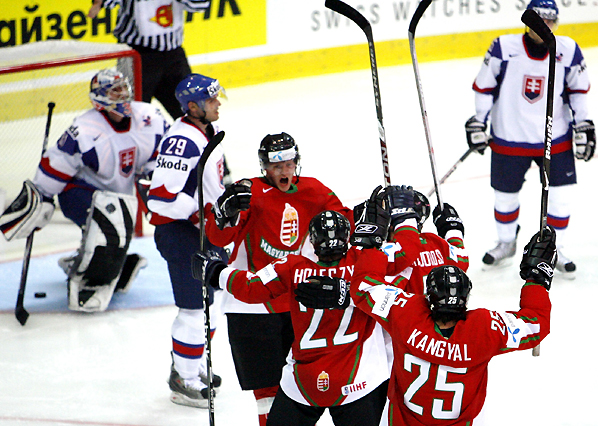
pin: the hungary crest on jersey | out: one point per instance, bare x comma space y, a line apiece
289, 228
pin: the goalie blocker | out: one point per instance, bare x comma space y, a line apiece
26, 213
101, 264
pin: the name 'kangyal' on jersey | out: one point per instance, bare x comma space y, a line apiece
439, 348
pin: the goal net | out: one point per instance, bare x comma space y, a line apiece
32, 76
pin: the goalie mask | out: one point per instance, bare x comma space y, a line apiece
110, 91
329, 233
278, 148
197, 88
447, 292
546, 9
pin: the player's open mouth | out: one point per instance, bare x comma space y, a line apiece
284, 181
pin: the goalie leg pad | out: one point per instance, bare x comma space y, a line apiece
133, 264
26, 213
100, 260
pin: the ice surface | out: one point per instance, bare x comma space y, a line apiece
66, 368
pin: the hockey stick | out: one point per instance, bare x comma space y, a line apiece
347, 11
421, 8
452, 169
20, 313
537, 25
212, 144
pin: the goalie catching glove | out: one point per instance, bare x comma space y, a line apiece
323, 293
539, 258
236, 198
206, 267
477, 138
372, 221
584, 140
28, 212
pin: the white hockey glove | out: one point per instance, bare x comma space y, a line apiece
584, 139
477, 138
28, 212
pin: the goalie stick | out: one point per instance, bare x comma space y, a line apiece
20, 313
212, 144
421, 8
537, 25
347, 11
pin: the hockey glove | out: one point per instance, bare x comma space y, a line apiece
235, 198
206, 267
447, 219
401, 203
539, 258
476, 134
323, 293
371, 227
584, 139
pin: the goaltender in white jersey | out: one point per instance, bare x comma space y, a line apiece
92, 169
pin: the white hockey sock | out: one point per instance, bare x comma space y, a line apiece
506, 214
188, 341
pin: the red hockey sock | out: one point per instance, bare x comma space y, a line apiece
264, 398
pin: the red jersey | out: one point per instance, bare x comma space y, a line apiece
338, 356
437, 380
275, 225
430, 251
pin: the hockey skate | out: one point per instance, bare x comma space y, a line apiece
565, 265
498, 254
193, 392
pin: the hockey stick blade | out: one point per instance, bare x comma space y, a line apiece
346, 10
419, 12
354, 15
537, 25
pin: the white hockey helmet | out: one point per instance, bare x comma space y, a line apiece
110, 91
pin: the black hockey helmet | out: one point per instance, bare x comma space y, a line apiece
447, 291
329, 233
422, 208
277, 148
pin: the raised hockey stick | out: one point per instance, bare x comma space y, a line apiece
212, 144
421, 8
20, 313
537, 25
347, 11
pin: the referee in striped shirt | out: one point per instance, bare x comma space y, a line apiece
154, 28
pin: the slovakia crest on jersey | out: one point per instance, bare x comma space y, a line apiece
127, 161
533, 88
289, 228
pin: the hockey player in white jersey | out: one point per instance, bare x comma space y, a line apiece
92, 169
510, 93
173, 201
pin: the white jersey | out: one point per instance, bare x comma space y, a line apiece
512, 86
173, 193
94, 154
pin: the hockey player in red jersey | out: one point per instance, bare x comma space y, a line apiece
441, 349
430, 250
338, 359
266, 218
